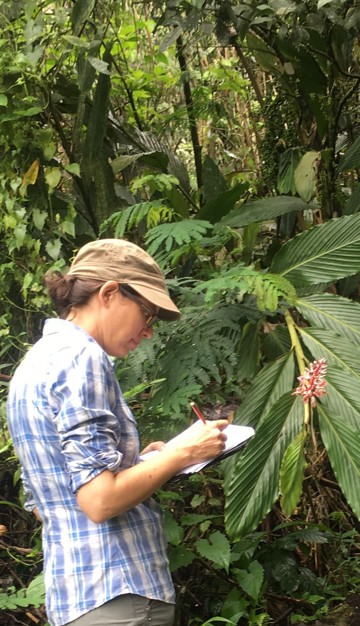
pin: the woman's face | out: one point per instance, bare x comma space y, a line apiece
115, 321
124, 322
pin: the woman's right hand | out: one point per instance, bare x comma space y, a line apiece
200, 441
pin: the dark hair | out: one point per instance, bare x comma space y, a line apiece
67, 291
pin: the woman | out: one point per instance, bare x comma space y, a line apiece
105, 560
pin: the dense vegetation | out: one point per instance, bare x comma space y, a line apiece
223, 137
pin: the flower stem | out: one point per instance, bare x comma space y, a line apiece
300, 357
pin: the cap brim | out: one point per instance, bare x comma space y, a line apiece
168, 310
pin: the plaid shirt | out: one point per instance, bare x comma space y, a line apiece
68, 421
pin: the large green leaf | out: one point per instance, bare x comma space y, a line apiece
270, 384
217, 207
287, 165
263, 210
336, 350
214, 180
253, 485
157, 160
343, 447
306, 175
81, 13
322, 254
343, 396
332, 312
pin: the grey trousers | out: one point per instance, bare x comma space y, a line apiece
128, 610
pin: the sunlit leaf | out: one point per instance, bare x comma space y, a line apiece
73, 168
30, 177
53, 249
39, 218
306, 175
53, 176
99, 65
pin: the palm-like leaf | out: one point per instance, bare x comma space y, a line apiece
337, 350
253, 485
332, 312
156, 153
325, 253
270, 384
343, 396
343, 447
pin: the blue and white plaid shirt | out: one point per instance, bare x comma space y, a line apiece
69, 421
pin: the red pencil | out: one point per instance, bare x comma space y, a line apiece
197, 412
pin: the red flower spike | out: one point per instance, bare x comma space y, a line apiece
312, 382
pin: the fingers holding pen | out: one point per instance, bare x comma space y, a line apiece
219, 427
210, 439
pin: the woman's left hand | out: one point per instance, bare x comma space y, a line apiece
154, 445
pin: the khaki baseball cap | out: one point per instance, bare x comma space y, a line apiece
128, 264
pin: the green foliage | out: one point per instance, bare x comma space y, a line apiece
122, 221
98, 135
200, 350
239, 280
312, 258
178, 234
257, 568
292, 473
33, 595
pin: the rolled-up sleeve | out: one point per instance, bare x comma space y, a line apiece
88, 423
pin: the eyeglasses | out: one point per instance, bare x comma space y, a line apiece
150, 316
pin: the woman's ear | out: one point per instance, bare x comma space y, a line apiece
108, 291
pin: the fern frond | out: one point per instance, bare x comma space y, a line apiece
201, 351
240, 280
159, 181
125, 219
166, 236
